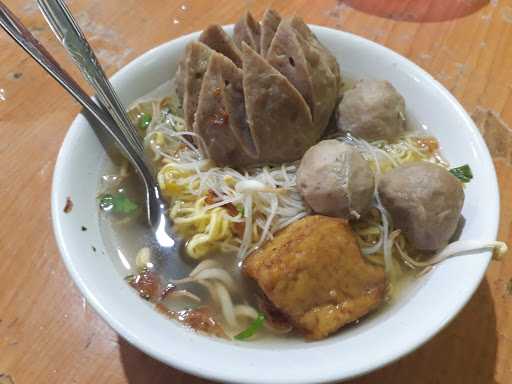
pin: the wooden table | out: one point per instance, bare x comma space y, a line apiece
48, 334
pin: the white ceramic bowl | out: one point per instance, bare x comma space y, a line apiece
419, 314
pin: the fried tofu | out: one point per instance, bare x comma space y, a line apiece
314, 273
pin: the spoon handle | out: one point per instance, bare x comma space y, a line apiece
19, 33
70, 35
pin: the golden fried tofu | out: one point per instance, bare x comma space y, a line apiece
313, 272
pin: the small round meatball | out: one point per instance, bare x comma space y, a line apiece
424, 201
335, 180
372, 110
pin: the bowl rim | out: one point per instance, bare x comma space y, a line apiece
216, 374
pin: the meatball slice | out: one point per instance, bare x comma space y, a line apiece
278, 117
217, 39
307, 66
335, 180
269, 24
425, 202
220, 117
315, 49
287, 56
324, 71
247, 30
197, 57
372, 110
314, 273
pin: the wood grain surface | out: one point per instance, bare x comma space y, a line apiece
48, 334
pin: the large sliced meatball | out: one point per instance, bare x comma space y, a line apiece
424, 201
372, 110
290, 89
335, 180
314, 273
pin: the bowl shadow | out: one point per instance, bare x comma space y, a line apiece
140, 368
419, 11
464, 352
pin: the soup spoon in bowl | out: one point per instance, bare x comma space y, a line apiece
109, 116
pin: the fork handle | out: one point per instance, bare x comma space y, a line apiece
66, 29
19, 33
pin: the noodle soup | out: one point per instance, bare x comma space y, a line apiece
299, 201
215, 229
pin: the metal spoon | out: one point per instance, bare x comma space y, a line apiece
68, 32
155, 205
72, 38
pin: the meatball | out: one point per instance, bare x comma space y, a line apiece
424, 201
372, 110
335, 180
314, 273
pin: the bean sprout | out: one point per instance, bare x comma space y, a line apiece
458, 248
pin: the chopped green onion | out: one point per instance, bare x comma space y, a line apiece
144, 120
463, 173
117, 203
252, 328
